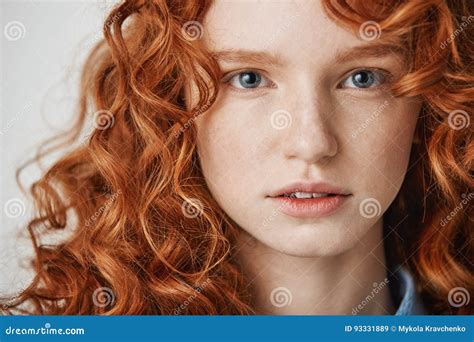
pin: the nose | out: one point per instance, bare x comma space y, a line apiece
310, 137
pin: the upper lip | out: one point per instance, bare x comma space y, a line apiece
318, 187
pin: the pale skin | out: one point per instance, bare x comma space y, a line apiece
345, 129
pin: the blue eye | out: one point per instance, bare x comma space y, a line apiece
247, 80
363, 79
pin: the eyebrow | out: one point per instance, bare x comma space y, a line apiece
241, 55
368, 51
265, 58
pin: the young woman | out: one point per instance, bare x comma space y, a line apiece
266, 158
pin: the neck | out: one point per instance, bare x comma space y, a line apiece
353, 282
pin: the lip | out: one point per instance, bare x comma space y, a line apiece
309, 187
310, 207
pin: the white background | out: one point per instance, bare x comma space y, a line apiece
40, 64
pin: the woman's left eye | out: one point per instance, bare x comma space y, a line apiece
247, 80
364, 79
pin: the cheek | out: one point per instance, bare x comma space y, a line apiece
393, 146
229, 147
382, 149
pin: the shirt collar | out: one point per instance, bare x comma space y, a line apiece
409, 299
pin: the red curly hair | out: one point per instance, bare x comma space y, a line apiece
119, 194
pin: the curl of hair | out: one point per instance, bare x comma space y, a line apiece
429, 226
127, 184
121, 193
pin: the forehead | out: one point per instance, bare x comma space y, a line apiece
286, 27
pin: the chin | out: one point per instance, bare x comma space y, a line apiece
310, 241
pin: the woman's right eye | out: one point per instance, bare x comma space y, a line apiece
247, 80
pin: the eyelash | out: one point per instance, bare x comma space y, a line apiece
230, 76
381, 76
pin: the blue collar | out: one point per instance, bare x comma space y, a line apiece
409, 299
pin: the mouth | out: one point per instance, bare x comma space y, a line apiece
309, 200
307, 195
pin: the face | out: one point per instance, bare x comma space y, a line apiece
305, 147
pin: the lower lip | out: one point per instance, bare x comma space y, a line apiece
310, 207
